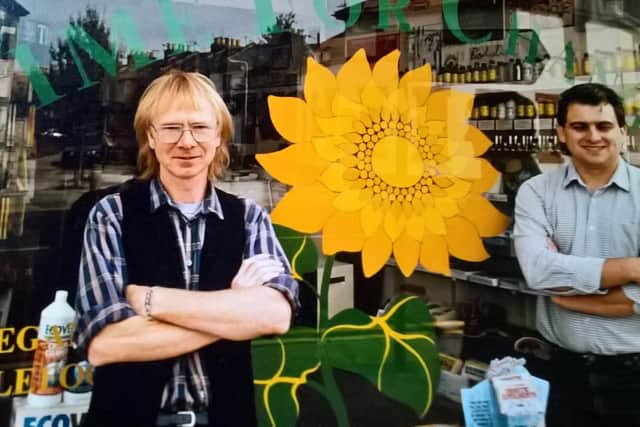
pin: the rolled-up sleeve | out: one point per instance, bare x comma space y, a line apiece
632, 291
543, 267
100, 299
261, 239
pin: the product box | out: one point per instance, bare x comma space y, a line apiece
61, 415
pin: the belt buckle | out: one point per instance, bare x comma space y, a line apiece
192, 420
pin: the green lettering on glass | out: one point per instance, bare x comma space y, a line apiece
39, 82
99, 54
385, 7
450, 12
266, 17
83, 74
534, 42
514, 33
327, 20
123, 28
355, 10
173, 29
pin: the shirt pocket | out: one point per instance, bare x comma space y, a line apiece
621, 240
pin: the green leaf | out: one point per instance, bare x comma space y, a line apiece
396, 352
280, 365
300, 250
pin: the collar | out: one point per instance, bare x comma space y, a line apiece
620, 177
160, 197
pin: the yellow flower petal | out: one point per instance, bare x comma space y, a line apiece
415, 226
454, 166
406, 251
292, 118
305, 208
319, 88
394, 222
349, 148
488, 220
343, 106
450, 106
335, 125
342, 232
433, 221
417, 84
478, 139
463, 240
371, 219
385, 72
446, 206
472, 170
349, 201
375, 253
328, 147
434, 254
372, 96
461, 147
353, 76
488, 177
333, 178
297, 164
459, 189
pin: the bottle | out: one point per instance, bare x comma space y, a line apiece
54, 338
517, 70
468, 75
484, 75
509, 71
476, 73
586, 65
462, 75
629, 60
501, 72
527, 72
492, 73
511, 109
446, 75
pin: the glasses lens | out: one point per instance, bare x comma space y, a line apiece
203, 134
171, 135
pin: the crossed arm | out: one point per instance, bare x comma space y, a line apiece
184, 321
546, 269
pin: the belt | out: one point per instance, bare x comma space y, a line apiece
591, 359
182, 419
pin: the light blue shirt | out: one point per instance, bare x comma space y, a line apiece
563, 235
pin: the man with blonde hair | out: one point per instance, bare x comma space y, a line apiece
176, 276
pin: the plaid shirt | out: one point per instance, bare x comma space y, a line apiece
103, 275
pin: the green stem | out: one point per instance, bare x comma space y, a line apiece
333, 394
324, 293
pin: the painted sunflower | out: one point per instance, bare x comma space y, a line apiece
382, 165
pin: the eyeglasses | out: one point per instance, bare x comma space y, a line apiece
171, 134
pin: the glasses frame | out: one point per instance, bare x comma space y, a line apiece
184, 129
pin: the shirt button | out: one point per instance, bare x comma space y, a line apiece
591, 228
189, 263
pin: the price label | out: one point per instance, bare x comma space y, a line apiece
486, 124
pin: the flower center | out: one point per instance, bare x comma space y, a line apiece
397, 162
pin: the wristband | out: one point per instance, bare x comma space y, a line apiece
147, 304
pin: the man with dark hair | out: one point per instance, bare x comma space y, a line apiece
577, 237
176, 276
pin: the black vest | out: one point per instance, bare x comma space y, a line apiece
129, 394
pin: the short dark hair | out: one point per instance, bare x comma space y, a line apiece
590, 94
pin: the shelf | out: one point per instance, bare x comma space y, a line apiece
550, 85
511, 284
